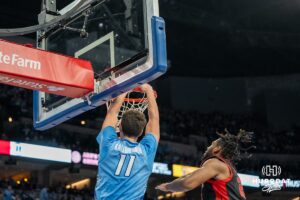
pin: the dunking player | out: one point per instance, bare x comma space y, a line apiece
217, 175
124, 164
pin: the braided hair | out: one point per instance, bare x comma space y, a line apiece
232, 145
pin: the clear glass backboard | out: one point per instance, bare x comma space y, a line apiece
125, 42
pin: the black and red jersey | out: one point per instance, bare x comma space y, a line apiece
228, 189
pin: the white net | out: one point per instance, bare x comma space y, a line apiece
135, 100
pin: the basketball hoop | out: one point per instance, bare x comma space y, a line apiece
134, 100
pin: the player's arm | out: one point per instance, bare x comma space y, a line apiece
153, 113
210, 169
111, 117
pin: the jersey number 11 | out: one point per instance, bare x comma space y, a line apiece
121, 163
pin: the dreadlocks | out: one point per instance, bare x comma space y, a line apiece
231, 144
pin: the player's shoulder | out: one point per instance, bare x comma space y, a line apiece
149, 138
150, 135
212, 161
107, 133
215, 163
108, 128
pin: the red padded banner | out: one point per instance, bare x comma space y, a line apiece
48, 72
4, 147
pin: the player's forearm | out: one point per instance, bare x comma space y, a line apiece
178, 185
111, 118
152, 105
116, 104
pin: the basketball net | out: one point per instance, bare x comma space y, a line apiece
134, 100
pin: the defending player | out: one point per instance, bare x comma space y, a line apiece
217, 175
124, 164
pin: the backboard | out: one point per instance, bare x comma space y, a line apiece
126, 44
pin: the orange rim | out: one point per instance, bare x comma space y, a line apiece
138, 100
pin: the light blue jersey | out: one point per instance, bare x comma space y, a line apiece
124, 166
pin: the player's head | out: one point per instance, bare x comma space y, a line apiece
228, 145
133, 123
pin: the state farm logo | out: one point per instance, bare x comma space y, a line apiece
17, 60
271, 170
55, 89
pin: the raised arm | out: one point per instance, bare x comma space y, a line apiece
153, 113
210, 169
111, 117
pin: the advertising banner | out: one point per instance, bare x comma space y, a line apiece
35, 69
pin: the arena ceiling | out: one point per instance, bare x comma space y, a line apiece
212, 38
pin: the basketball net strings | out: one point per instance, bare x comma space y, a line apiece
140, 106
